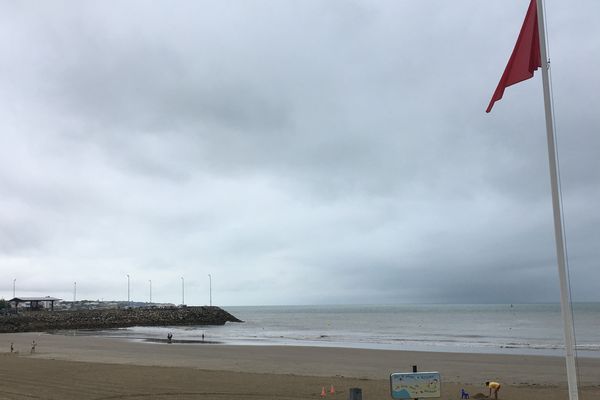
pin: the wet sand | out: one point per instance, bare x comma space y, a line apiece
88, 367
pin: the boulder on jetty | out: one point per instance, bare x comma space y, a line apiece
41, 321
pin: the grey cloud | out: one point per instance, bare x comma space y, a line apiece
285, 146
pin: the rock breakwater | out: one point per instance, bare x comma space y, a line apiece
42, 321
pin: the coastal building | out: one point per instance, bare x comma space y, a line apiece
33, 303
106, 305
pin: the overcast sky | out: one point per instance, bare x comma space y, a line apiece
300, 152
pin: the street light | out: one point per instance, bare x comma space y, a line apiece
182, 291
210, 289
150, 280
74, 292
128, 292
14, 283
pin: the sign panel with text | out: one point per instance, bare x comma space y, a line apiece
415, 385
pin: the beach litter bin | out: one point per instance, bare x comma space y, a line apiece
355, 394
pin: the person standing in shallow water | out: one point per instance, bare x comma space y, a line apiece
495, 386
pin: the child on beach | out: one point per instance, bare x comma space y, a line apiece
495, 386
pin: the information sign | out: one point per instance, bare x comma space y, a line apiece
415, 385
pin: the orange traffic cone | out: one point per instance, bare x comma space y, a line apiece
332, 390
323, 392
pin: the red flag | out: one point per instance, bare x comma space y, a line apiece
525, 57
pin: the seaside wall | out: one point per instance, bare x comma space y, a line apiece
40, 321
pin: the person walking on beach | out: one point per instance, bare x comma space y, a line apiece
495, 386
33, 344
169, 337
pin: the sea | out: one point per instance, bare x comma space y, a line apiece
528, 329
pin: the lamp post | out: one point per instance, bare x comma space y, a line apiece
210, 289
150, 281
14, 285
182, 291
128, 292
74, 292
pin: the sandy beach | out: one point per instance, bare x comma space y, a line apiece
88, 367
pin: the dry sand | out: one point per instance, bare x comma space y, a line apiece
86, 367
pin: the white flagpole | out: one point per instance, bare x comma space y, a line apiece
565, 291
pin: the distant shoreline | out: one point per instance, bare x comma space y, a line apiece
179, 341
118, 334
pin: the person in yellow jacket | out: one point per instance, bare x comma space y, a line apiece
495, 386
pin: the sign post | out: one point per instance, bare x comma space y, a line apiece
415, 385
